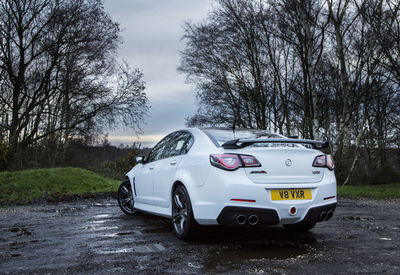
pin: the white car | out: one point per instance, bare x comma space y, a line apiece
220, 176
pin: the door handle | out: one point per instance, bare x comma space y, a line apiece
174, 162
151, 168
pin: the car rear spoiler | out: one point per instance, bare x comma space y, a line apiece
241, 143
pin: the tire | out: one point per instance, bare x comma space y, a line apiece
125, 198
182, 214
302, 226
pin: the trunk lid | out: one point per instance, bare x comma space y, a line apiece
284, 165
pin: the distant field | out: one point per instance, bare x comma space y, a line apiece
384, 191
28, 186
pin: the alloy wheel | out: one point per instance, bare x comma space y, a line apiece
125, 198
180, 214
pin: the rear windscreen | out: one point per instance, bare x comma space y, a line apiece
220, 136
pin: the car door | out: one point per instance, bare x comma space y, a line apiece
143, 182
165, 169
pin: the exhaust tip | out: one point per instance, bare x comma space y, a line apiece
253, 220
240, 219
322, 217
329, 215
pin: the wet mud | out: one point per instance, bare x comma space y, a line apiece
94, 237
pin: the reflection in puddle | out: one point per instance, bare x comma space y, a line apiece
102, 216
91, 228
227, 258
149, 248
101, 221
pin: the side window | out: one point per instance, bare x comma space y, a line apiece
187, 145
157, 151
178, 145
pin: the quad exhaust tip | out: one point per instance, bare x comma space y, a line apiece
326, 216
253, 220
322, 217
240, 219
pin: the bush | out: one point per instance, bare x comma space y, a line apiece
117, 169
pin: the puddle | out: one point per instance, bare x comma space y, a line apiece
102, 216
103, 204
68, 210
124, 233
135, 232
104, 228
100, 221
228, 258
99, 228
150, 248
62, 210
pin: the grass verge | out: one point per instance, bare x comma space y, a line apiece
28, 186
383, 191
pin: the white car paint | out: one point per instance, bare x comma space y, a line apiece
211, 189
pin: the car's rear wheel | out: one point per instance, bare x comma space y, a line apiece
125, 198
302, 226
182, 213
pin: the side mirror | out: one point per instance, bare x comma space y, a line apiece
139, 159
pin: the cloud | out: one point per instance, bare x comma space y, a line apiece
151, 33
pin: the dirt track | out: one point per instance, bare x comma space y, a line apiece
93, 236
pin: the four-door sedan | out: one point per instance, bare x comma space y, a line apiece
218, 176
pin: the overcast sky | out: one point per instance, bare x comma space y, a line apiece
151, 34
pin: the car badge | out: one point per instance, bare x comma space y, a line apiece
288, 162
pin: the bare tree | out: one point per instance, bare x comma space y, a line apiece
58, 75
320, 69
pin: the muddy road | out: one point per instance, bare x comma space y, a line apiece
93, 236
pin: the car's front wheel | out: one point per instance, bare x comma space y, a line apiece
182, 213
125, 198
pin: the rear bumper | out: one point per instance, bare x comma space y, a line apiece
264, 216
210, 201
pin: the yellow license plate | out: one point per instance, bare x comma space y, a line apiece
291, 194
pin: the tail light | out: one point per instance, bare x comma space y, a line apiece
324, 161
232, 162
